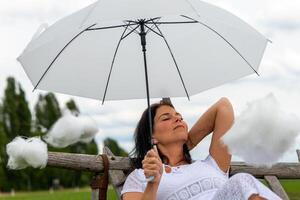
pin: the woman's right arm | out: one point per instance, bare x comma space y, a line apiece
152, 166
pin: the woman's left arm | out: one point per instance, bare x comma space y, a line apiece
217, 119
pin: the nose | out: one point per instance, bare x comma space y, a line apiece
178, 119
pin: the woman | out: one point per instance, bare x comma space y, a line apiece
176, 176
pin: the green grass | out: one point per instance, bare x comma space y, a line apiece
292, 187
67, 194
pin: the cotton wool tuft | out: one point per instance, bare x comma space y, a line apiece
27, 152
262, 133
70, 129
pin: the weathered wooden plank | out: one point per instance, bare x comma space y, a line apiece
281, 170
93, 163
84, 162
275, 185
116, 177
298, 154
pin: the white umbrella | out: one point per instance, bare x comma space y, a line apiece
96, 52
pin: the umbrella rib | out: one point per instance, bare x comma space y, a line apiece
183, 22
152, 19
156, 18
59, 55
188, 18
109, 27
126, 21
225, 41
113, 61
133, 30
173, 60
153, 30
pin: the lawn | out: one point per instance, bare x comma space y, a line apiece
292, 187
67, 194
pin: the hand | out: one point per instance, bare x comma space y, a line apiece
152, 165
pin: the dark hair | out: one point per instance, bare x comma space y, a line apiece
142, 136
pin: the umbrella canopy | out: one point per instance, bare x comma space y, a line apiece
96, 52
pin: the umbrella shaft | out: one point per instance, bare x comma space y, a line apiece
143, 43
143, 36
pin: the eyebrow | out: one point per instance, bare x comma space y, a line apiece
168, 114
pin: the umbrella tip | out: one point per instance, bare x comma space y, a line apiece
166, 100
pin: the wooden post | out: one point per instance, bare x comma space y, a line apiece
95, 194
276, 187
117, 177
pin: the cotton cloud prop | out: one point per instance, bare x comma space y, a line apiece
70, 130
27, 152
262, 133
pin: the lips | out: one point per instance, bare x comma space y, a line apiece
178, 126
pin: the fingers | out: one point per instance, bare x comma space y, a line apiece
152, 153
149, 173
152, 164
151, 160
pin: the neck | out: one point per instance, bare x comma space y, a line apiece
173, 154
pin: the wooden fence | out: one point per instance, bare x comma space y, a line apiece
121, 166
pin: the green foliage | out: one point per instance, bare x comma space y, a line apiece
3, 158
71, 105
114, 147
16, 114
24, 114
15, 120
3, 141
47, 111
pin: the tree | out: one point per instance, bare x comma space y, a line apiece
114, 147
16, 114
71, 105
15, 120
24, 114
3, 141
47, 111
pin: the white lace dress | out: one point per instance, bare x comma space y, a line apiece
201, 180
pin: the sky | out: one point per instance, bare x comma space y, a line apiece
279, 71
